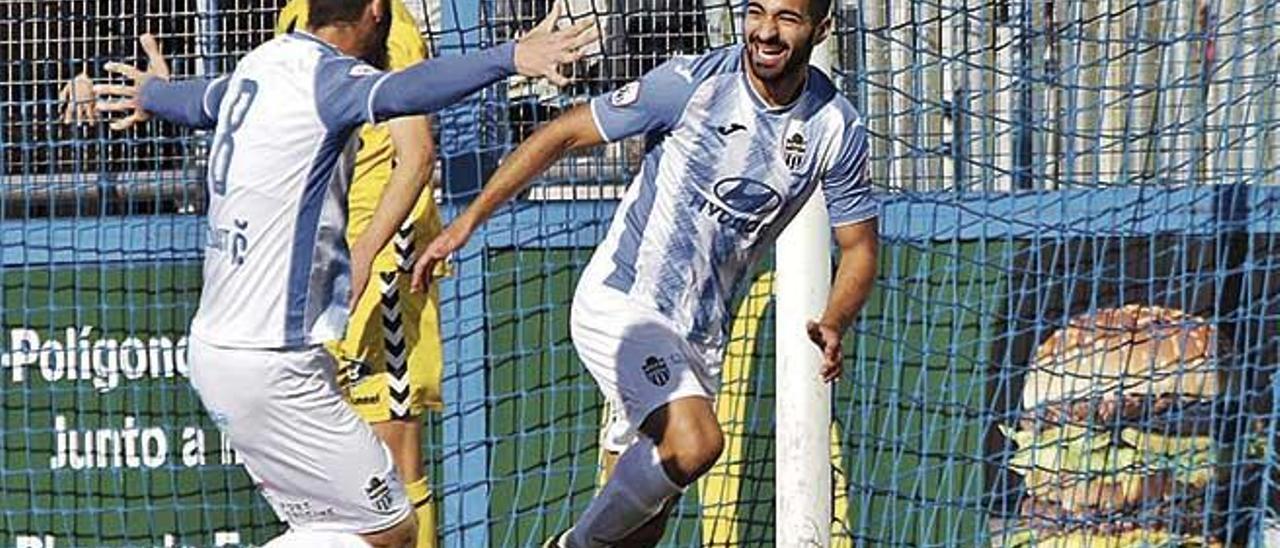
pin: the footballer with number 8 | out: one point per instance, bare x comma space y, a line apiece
278, 277
737, 140
390, 360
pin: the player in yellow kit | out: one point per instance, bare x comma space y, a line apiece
391, 357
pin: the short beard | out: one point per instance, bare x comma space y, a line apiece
376, 53
798, 63
378, 57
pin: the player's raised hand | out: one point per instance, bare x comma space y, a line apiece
451, 239
542, 51
827, 338
124, 98
77, 100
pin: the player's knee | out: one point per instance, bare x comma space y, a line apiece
401, 535
692, 451
706, 452
688, 437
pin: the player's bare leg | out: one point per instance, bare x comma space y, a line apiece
400, 535
680, 441
688, 438
404, 438
689, 441
608, 460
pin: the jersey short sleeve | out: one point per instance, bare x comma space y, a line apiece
654, 103
846, 184
344, 88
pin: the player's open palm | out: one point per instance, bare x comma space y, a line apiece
827, 339
451, 239
126, 97
542, 51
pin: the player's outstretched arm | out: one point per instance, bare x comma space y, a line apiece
573, 130
543, 50
78, 96
855, 276
440, 82
191, 103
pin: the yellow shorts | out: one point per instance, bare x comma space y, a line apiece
390, 361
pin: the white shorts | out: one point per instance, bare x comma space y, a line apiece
639, 360
319, 466
316, 539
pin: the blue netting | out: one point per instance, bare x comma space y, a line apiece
1071, 188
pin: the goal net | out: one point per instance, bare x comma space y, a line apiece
1072, 339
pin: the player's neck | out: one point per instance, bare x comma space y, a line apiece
344, 37
779, 91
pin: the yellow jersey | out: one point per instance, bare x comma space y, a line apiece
375, 158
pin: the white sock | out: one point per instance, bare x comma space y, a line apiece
636, 492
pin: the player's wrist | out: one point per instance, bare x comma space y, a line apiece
506, 55
832, 324
468, 221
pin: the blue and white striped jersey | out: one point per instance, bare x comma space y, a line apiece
724, 172
276, 272
275, 268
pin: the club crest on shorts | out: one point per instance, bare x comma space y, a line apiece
794, 146
379, 494
656, 370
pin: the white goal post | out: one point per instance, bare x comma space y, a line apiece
803, 449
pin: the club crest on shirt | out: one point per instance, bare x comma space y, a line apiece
794, 146
625, 95
361, 69
656, 370
379, 494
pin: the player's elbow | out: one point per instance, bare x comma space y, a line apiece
415, 168
861, 240
861, 260
575, 129
863, 249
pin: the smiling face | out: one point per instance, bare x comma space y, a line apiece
781, 35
